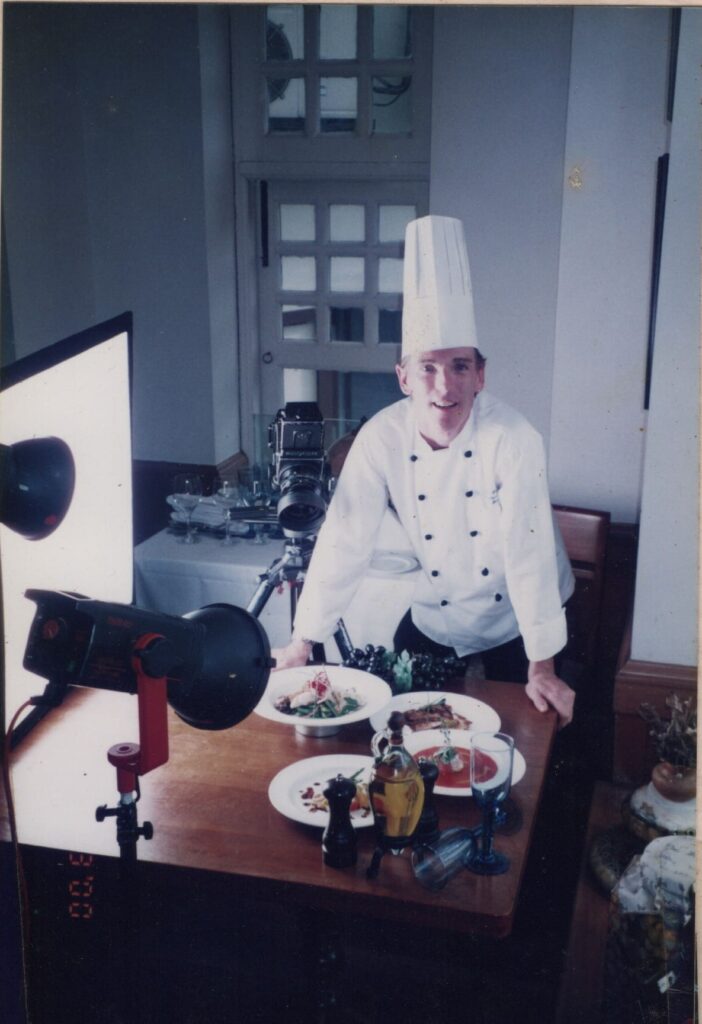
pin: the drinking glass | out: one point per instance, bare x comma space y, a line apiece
225, 493
261, 500
187, 492
257, 494
491, 759
245, 477
435, 863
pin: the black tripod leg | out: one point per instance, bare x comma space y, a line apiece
343, 640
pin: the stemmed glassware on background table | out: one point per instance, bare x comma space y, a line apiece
225, 494
187, 493
491, 760
255, 491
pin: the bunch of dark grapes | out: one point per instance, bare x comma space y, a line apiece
371, 659
429, 672
435, 672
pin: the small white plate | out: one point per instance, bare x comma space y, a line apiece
373, 693
390, 563
287, 788
428, 738
480, 715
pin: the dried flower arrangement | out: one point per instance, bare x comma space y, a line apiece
675, 738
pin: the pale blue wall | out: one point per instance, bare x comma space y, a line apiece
666, 617
104, 199
616, 132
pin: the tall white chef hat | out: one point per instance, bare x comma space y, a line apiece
438, 296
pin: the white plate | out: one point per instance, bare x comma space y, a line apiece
418, 741
370, 690
286, 789
389, 563
481, 716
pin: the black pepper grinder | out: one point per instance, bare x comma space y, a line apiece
339, 839
428, 825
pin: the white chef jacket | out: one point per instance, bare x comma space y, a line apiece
479, 519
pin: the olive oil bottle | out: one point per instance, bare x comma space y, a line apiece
396, 791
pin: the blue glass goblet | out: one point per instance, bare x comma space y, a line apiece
491, 759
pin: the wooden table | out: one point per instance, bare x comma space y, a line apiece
210, 809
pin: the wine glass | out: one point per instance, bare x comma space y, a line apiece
187, 492
256, 495
261, 501
491, 759
225, 494
435, 863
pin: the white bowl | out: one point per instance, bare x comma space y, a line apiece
416, 742
373, 693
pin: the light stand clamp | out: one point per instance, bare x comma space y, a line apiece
153, 657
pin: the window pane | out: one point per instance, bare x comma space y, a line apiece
337, 31
389, 274
347, 223
392, 222
299, 323
298, 273
286, 104
297, 222
392, 105
391, 31
390, 326
347, 273
338, 104
350, 396
285, 32
346, 324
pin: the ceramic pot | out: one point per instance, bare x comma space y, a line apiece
666, 805
674, 783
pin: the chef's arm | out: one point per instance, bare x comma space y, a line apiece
532, 571
545, 690
342, 553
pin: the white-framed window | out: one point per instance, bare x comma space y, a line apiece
330, 280
337, 69
331, 136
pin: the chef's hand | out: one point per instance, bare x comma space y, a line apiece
296, 653
545, 690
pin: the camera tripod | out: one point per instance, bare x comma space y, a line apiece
291, 568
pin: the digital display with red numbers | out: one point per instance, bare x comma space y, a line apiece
81, 886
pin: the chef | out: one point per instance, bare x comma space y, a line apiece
465, 474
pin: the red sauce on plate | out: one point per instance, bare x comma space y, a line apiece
458, 779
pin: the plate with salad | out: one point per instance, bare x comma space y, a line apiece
322, 698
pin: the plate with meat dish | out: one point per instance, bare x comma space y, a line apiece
449, 749
433, 709
298, 790
319, 699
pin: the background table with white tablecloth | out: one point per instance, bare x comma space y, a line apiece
176, 578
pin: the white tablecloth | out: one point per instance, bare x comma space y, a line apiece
176, 578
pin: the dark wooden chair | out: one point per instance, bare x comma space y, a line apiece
584, 534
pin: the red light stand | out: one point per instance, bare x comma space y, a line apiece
150, 655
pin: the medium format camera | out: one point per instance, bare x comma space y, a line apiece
297, 438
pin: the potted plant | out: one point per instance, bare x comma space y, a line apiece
675, 742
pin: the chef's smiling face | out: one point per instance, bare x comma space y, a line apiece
442, 384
